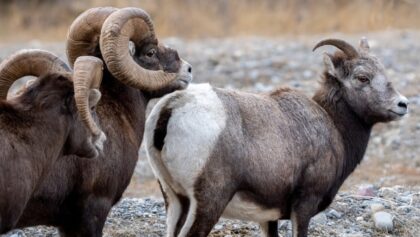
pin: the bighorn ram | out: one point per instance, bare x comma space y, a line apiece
264, 157
42, 124
77, 194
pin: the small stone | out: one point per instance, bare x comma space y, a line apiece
388, 192
218, 227
320, 219
375, 207
307, 74
404, 209
366, 190
15, 233
383, 221
405, 199
359, 218
334, 214
353, 235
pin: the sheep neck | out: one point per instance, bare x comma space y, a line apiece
354, 131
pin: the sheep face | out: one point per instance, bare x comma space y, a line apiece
52, 98
153, 56
365, 86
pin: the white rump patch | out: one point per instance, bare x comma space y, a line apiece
192, 132
197, 119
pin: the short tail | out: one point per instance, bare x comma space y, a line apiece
154, 137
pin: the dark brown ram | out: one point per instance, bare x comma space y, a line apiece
77, 195
48, 120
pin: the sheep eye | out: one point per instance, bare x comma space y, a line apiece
151, 53
363, 79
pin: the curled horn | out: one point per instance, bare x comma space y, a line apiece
31, 62
84, 32
87, 80
121, 27
347, 49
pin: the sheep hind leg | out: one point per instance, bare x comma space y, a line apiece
89, 222
10, 218
301, 215
204, 212
5, 227
176, 209
269, 229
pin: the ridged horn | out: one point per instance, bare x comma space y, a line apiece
121, 27
30, 62
347, 49
83, 34
87, 79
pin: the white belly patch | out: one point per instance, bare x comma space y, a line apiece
239, 208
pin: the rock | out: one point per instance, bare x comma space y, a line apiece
405, 199
375, 207
404, 209
334, 214
218, 227
383, 221
320, 219
387, 193
16, 233
366, 190
353, 235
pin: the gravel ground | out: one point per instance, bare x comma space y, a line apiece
351, 215
261, 64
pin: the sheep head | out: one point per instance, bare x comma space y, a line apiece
361, 80
53, 92
107, 33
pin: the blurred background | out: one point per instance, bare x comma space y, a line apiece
49, 19
257, 45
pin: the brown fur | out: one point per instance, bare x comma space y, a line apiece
288, 152
77, 195
36, 128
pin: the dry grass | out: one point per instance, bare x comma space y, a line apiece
49, 20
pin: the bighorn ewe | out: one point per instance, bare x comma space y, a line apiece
43, 123
77, 194
264, 157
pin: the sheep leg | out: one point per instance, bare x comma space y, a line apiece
302, 213
11, 214
185, 203
90, 222
205, 211
174, 208
269, 229
7, 225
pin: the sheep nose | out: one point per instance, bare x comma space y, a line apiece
402, 105
403, 102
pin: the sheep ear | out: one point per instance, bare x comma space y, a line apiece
364, 44
329, 65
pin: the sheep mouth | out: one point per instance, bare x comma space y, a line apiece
396, 113
185, 79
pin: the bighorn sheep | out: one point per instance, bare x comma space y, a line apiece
42, 124
264, 157
77, 194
